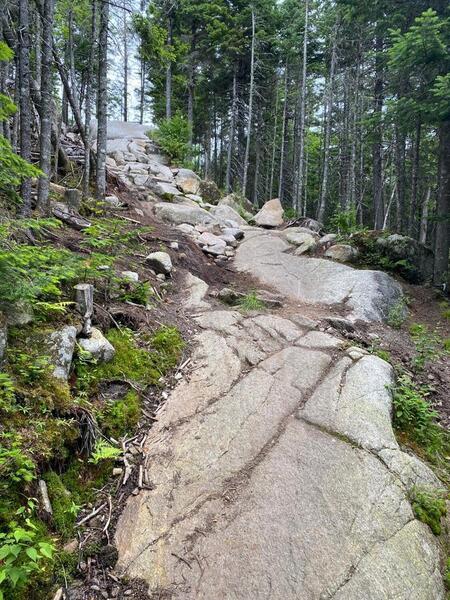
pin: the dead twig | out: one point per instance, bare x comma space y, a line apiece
91, 515
183, 560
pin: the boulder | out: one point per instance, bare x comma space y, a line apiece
311, 224
211, 240
167, 191
162, 172
61, 346
328, 240
186, 228
187, 181
118, 158
195, 198
270, 215
18, 313
229, 239
238, 203
237, 233
303, 240
226, 213
196, 292
176, 214
98, 346
160, 262
420, 258
209, 191
342, 253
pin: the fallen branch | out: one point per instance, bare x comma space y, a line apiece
91, 515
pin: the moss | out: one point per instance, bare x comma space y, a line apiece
64, 508
121, 416
429, 507
447, 574
132, 362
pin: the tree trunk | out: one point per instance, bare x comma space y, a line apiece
283, 135
125, 67
88, 104
46, 107
232, 132
102, 100
169, 70
328, 101
24, 99
401, 178
424, 220
274, 140
377, 148
250, 105
442, 245
414, 204
302, 130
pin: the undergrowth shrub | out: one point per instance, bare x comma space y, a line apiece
251, 302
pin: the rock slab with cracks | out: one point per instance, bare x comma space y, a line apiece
265, 482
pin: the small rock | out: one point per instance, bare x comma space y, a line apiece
117, 472
229, 252
187, 181
304, 241
230, 296
211, 240
237, 233
186, 228
328, 240
139, 212
98, 346
216, 250
113, 201
161, 277
229, 239
130, 276
356, 353
160, 262
175, 245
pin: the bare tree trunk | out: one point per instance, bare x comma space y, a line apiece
442, 245
424, 220
354, 126
88, 104
274, 140
302, 131
38, 49
232, 132
401, 179
169, 70
102, 100
283, 135
46, 107
250, 105
125, 67
24, 99
328, 101
377, 148
414, 204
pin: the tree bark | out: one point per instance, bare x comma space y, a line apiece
88, 103
283, 134
169, 69
125, 67
328, 123
250, 105
302, 131
377, 147
102, 100
232, 133
46, 107
424, 220
414, 204
274, 140
25, 100
442, 244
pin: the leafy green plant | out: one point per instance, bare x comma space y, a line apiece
121, 416
345, 222
414, 416
22, 554
173, 137
7, 393
397, 314
251, 302
428, 345
104, 451
429, 506
16, 467
139, 293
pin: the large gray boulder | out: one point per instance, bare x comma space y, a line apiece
369, 295
342, 253
187, 181
238, 203
167, 191
270, 215
403, 248
176, 214
227, 213
209, 191
303, 240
